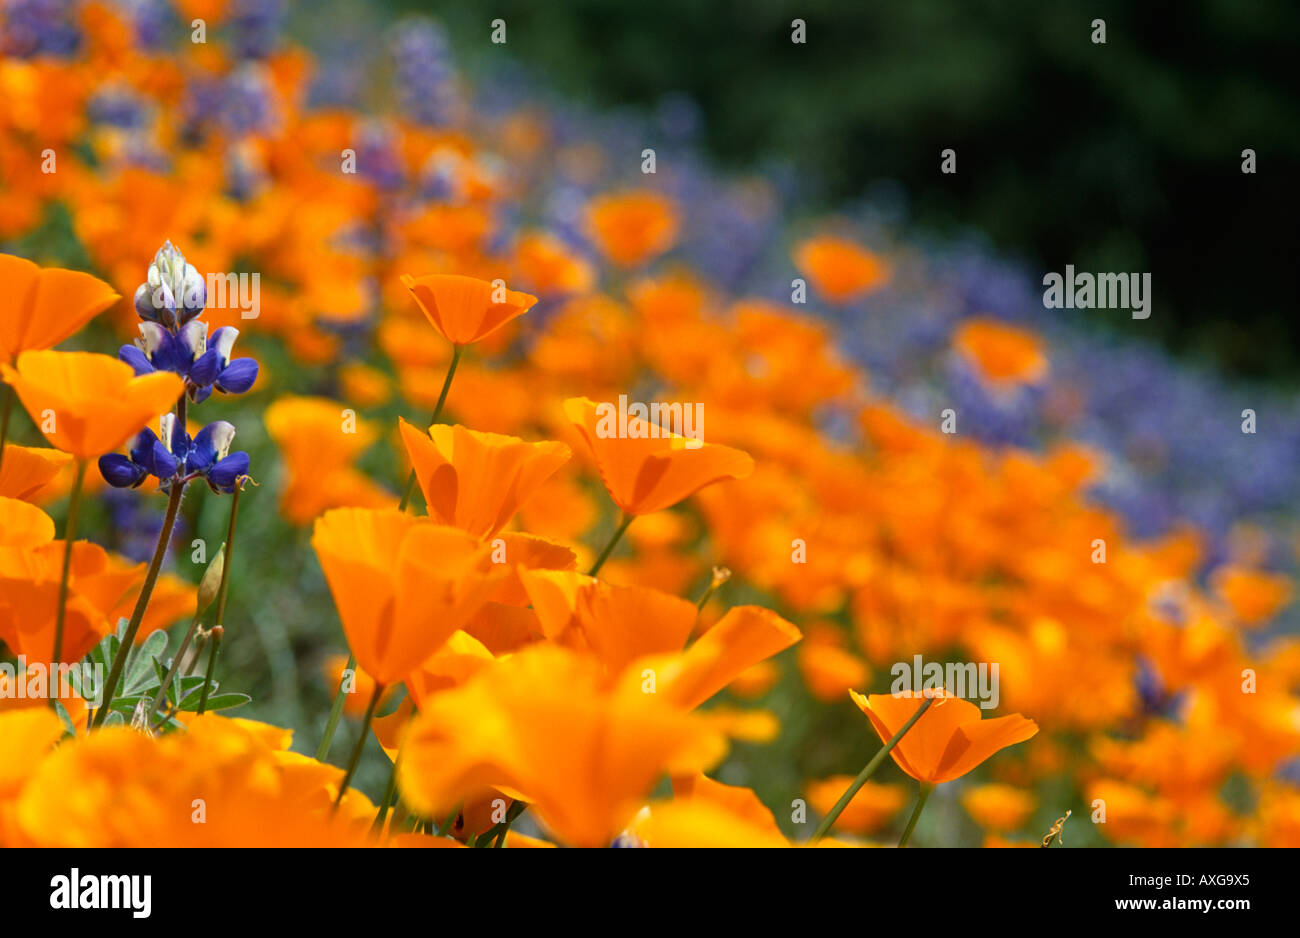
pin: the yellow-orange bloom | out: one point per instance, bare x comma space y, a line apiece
948, 741
402, 585
631, 228
545, 727
644, 474
1001, 808
26, 470
477, 481
839, 269
235, 776
42, 307
26, 736
1255, 596
88, 404
1002, 354
466, 309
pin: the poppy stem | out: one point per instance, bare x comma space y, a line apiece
215, 634
360, 746
499, 831
921, 798
5, 410
69, 534
867, 772
336, 711
625, 520
142, 602
387, 801
437, 412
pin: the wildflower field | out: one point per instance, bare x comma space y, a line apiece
451, 465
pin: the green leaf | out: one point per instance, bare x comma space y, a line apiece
225, 701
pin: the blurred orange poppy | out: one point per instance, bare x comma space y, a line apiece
644, 474
466, 309
630, 228
543, 726
88, 404
26, 470
839, 269
1001, 353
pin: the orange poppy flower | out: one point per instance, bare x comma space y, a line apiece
630, 228
42, 307
543, 726
26, 470
402, 585
477, 481
29, 597
250, 789
1000, 808
644, 474
466, 309
1254, 596
27, 735
615, 624
546, 265
839, 269
88, 404
948, 741
744, 636
1003, 354
23, 525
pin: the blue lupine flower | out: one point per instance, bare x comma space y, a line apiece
424, 73
175, 458
255, 27
39, 27
215, 369
203, 364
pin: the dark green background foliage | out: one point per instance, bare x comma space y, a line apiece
1115, 157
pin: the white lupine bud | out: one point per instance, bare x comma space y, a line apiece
151, 336
166, 425
223, 434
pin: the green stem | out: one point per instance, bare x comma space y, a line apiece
499, 830
921, 799
624, 521
867, 771
360, 746
171, 671
5, 409
146, 591
437, 412
214, 640
389, 790
69, 534
230, 550
336, 711
449, 820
